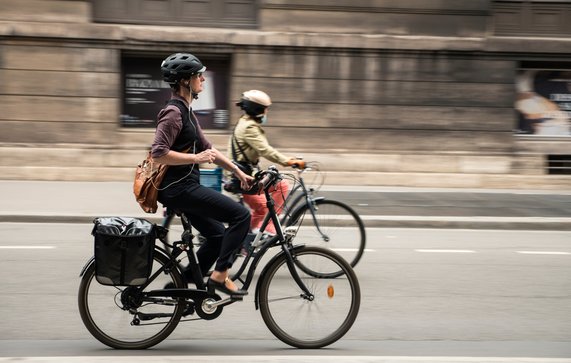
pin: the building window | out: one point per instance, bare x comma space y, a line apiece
145, 93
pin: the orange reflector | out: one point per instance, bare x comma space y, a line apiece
330, 291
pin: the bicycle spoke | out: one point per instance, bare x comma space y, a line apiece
121, 318
310, 322
284, 298
333, 225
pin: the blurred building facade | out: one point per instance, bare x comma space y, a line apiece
471, 93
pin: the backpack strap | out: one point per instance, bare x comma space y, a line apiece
234, 155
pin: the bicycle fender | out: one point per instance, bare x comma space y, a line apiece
86, 266
263, 273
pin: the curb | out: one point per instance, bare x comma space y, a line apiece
371, 221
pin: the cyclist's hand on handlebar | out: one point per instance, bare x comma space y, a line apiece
246, 181
296, 163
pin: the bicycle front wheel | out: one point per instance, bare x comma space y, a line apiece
319, 319
122, 318
333, 225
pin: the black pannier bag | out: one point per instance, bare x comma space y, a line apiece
123, 250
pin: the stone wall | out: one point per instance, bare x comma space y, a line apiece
383, 100
58, 93
465, 18
393, 107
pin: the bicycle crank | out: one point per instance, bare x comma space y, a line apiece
209, 308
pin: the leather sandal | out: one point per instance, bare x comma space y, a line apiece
221, 286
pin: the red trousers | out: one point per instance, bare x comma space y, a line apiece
257, 204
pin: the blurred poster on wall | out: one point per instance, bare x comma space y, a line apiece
543, 102
145, 93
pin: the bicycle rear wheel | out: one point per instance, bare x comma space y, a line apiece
318, 320
116, 315
340, 228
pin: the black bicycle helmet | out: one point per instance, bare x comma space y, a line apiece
254, 102
180, 65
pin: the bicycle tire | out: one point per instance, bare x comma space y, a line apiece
105, 316
303, 323
338, 221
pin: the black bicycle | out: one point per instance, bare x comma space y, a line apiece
300, 301
322, 221
318, 221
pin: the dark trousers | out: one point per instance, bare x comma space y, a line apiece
207, 210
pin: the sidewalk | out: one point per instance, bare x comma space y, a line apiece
81, 202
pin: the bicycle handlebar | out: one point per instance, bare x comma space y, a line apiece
268, 177
263, 183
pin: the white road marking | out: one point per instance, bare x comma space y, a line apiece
457, 219
543, 253
282, 358
351, 250
27, 247
446, 251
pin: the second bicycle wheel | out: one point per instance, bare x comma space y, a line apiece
336, 226
313, 321
122, 318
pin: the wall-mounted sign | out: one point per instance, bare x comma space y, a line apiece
543, 102
145, 93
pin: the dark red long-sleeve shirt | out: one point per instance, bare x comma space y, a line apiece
169, 125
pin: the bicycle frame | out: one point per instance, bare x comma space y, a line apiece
305, 193
310, 200
257, 250
292, 206
256, 253
111, 313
